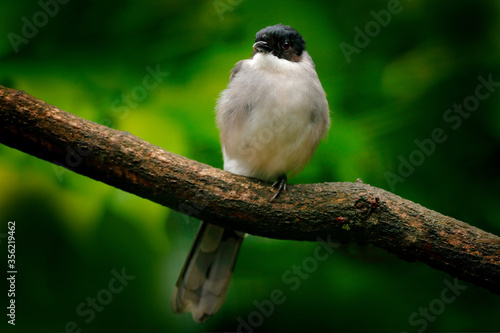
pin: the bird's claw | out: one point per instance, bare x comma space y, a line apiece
280, 185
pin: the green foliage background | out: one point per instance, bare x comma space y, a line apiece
71, 231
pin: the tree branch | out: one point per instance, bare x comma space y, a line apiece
343, 211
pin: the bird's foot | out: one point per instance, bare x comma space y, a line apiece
280, 185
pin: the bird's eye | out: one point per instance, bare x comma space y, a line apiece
286, 45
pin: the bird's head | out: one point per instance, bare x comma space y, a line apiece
281, 41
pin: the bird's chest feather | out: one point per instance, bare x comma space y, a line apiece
281, 106
278, 95
272, 130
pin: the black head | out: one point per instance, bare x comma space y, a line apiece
282, 41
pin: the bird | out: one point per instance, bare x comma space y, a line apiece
271, 118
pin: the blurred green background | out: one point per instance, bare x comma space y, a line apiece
90, 58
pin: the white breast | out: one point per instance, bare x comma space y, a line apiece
271, 117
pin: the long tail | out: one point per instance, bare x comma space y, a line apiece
204, 279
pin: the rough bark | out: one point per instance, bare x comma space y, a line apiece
343, 211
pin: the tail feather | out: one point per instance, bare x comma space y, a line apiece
204, 279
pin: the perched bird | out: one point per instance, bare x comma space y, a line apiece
271, 118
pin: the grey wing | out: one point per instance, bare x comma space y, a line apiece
236, 69
232, 106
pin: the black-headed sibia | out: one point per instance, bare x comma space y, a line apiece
271, 118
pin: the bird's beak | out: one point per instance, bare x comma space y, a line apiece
262, 47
